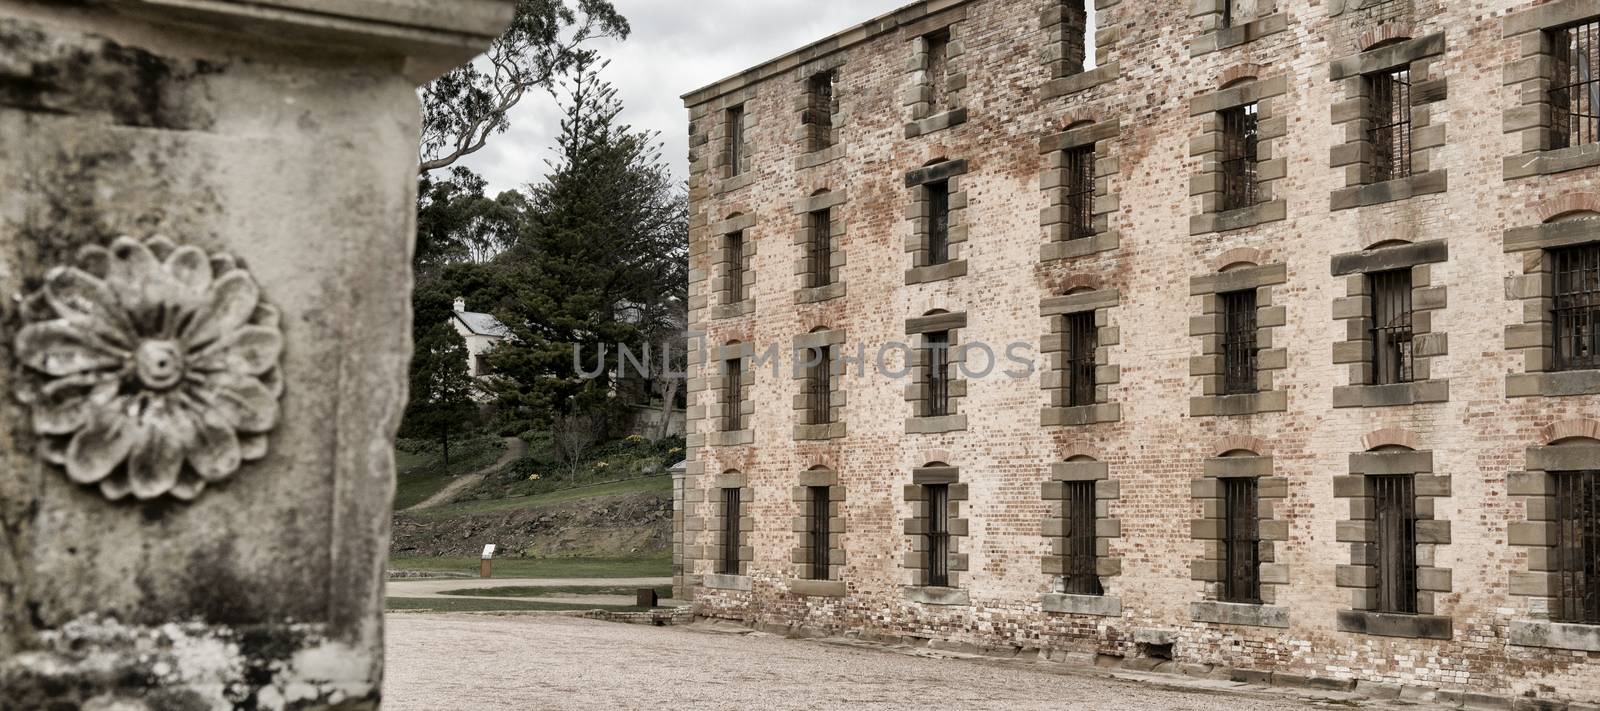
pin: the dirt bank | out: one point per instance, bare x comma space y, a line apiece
608, 526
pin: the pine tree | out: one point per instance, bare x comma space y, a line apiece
441, 408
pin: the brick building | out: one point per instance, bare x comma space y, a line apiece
1309, 289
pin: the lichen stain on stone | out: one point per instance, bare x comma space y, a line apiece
90, 76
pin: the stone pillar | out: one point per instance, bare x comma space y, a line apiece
206, 220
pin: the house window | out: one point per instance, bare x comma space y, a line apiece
735, 246
1240, 143
1575, 90
822, 382
818, 528
938, 222
938, 535
1239, 12
937, 350
1239, 342
1395, 504
821, 248
1082, 340
1577, 307
938, 67
1390, 134
734, 401
735, 120
1577, 548
1391, 327
732, 539
1241, 541
1080, 192
1082, 578
822, 105
480, 364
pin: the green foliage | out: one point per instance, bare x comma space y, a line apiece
654, 484
422, 471
458, 223
544, 471
653, 566
441, 409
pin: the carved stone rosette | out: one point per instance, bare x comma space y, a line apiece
150, 370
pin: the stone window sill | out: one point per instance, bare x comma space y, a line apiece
1381, 624
1071, 249
727, 311
1570, 382
1079, 416
938, 596
1230, 613
936, 425
818, 588
936, 272
817, 295
1429, 183
731, 439
1246, 404
936, 123
724, 581
1082, 81
819, 158
1096, 605
1239, 219
1551, 162
1555, 635
1396, 395
737, 182
1239, 35
817, 433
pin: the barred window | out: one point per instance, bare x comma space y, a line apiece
822, 384
1082, 578
938, 222
1395, 503
938, 535
1390, 93
1577, 307
735, 121
939, 66
1239, 342
1577, 561
818, 529
1082, 340
1241, 541
821, 248
1080, 192
733, 415
1575, 90
736, 275
937, 347
1391, 327
732, 537
1240, 157
821, 107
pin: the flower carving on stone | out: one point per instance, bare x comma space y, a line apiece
150, 370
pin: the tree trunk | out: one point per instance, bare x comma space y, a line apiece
669, 398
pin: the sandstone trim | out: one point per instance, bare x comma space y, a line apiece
1213, 36
1360, 531
1208, 146
1054, 180
800, 496
1054, 345
915, 528
1422, 56
1209, 328
1532, 73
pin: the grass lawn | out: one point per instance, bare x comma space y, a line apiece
469, 508
636, 567
423, 475
475, 605
663, 591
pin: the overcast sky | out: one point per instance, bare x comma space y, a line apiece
677, 46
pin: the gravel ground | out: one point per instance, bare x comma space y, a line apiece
473, 663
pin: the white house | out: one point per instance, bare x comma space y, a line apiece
482, 333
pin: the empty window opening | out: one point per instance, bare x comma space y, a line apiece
1390, 94
1240, 157
736, 152
821, 110
939, 68
1155, 651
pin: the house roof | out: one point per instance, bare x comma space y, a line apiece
483, 324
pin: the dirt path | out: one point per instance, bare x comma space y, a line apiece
515, 449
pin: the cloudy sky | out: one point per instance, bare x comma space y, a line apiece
676, 47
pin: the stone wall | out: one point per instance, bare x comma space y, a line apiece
1161, 250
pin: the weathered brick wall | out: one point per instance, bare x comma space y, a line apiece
1157, 448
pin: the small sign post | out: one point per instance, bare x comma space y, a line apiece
486, 570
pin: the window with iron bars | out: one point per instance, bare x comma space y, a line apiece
1391, 327
1240, 157
823, 104
819, 532
1241, 541
1577, 548
938, 535
1575, 88
1080, 192
938, 222
732, 539
1577, 307
1390, 95
733, 401
822, 384
937, 347
735, 119
735, 248
1239, 342
1395, 504
1082, 577
821, 248
1082, 340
